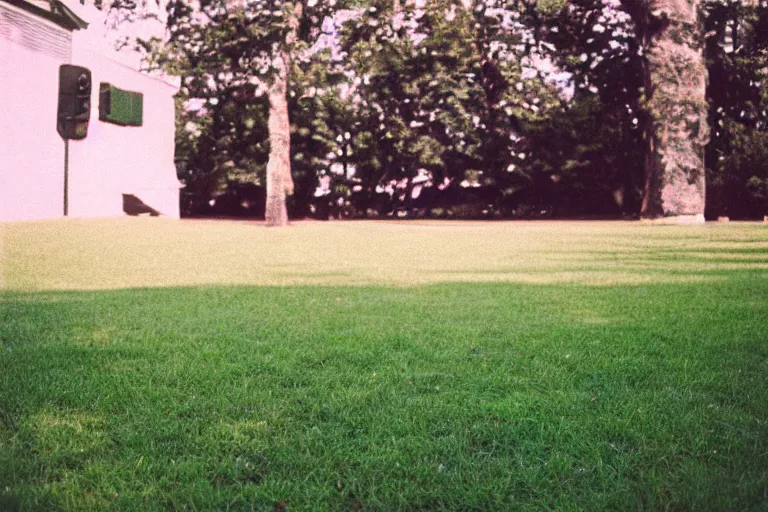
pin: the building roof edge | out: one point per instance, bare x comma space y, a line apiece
59, 13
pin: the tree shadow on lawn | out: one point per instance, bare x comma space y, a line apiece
449, 396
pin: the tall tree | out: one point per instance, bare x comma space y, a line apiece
252, 46
675, 121
279, 179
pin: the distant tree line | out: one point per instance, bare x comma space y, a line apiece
469, 108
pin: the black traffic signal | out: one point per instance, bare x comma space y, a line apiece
74, 102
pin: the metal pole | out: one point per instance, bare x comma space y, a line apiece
66, 177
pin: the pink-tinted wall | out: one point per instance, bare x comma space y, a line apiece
113, 160
31, 151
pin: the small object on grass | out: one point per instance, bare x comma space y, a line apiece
723, 219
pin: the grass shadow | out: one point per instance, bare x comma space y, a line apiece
487, 396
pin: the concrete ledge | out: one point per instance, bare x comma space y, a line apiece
679, 220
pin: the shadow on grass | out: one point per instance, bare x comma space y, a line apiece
450, 396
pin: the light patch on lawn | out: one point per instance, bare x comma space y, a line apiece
592, 317
94, 254
243, 430
67, 438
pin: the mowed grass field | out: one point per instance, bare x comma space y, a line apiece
150, 364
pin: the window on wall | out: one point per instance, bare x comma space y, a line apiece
117, 106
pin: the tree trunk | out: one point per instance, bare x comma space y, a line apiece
279, 179
677, 129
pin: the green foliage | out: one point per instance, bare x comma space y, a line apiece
221, 142
443, 91
545, 102
737, 50
738, 185
586, 161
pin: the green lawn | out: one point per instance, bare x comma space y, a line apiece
150, 364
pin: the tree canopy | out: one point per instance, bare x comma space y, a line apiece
472, 108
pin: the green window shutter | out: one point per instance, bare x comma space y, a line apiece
138, 109
117, 106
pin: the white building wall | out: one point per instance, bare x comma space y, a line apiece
113, 160
31, 151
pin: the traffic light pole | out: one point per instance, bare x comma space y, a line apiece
73, 113
66, 177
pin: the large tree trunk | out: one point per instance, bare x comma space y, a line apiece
279, 179
676, 128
